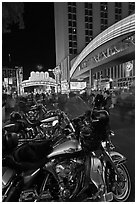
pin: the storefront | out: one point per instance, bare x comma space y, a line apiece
119, 76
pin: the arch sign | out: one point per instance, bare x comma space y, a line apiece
39, 78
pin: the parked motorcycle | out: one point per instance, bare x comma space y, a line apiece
80, 164
32, 125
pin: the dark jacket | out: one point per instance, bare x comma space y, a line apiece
98, 101
106, 103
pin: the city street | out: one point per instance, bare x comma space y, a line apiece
124, 142
55, 72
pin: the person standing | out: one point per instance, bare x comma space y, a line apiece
107, 101
98, 100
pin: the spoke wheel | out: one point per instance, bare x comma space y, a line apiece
121, 189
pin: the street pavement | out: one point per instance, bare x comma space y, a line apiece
124, 141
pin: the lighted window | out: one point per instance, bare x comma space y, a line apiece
88, 23
103, 15
72, 29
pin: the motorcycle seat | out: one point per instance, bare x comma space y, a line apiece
32, 155
22, 166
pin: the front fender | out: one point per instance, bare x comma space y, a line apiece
117, 157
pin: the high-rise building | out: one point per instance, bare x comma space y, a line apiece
77, 23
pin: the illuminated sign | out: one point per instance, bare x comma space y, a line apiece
64, 87
77, 85
39, 78
129, 66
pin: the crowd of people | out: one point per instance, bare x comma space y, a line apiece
98, 98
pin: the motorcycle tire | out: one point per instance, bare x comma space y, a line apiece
122, 189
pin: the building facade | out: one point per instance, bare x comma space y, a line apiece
78, 23
11, 79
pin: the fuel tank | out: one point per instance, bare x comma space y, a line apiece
69, 146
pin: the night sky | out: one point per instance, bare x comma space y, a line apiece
36, 43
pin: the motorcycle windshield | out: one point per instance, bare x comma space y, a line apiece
75, 106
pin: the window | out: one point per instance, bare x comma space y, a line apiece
75, 44
74, 9
103, 15
90, 32
88, 23
70, 16
86, 5
70, 23
72, 29
86, 18
74, 24
86, 32
70, 37
131, 7
74, 16
118, 11
90, 12
90, 26
90, 19
74, 38
86, 12
70, 43
86, 39
69, 9
70, 50
75, 51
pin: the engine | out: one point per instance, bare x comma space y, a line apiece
68, 175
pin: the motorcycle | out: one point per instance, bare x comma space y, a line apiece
79, 165
32, 125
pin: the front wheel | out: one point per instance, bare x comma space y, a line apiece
121, 189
